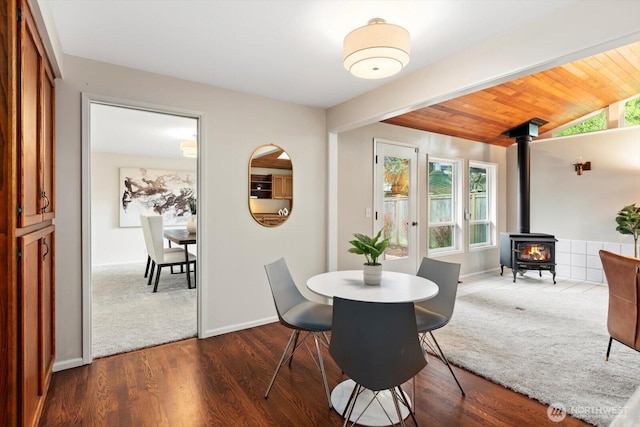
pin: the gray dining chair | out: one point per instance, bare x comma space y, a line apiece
299, 314
152, 226
436, 312
376, 345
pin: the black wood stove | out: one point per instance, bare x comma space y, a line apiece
525, 251
528, 251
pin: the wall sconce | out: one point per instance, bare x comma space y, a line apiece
580, 166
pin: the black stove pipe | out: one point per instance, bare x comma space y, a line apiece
523, 134
524, 183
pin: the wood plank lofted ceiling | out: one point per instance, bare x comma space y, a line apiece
558, 95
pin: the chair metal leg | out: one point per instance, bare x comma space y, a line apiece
351, 404
324, 375
293, 349
606, 358
394, 397
146, 270
352, 396
294, 345
446, 362
405, 402
155, 286
153, 269
294, 334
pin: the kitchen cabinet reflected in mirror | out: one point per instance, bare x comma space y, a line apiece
270, 185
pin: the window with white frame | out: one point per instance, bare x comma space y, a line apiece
445, 207
482, 204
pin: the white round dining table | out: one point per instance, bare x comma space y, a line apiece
394, 288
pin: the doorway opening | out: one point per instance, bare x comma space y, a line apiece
135, 163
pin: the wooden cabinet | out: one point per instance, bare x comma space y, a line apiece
269, 219
260, 186
35, 154
271, 187
27, 200
282, 187
36, 343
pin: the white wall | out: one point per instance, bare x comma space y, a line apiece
580, 210
580, 207
111, 244
355, 173
236, 290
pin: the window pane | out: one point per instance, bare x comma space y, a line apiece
395, 223
478, 233
597, 122
441, 237
440, 192
396, 175
632, 112
395, 220
442, 204
478, 194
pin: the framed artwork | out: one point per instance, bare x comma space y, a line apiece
155, 191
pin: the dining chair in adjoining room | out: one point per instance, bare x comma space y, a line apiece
623, 314
436, 312
298, 313
152, 228
376, 345
149, 242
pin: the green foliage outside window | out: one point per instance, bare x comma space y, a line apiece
441, 237
598, 122
632, 112
441, 204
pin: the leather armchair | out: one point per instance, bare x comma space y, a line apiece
623, 277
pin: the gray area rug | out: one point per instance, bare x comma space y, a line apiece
127, 316
546, 342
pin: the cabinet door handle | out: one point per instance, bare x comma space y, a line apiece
47, 202
414, 223
46, 245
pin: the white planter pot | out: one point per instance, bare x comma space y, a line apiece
372, 274
192, 224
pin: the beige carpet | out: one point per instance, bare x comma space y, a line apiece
126, 315
547, 342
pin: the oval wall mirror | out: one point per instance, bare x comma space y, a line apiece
270, 185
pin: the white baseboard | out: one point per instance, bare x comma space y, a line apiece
480, 272
238, 327
67, 364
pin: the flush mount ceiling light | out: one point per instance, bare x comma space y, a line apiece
376, 50
189, 148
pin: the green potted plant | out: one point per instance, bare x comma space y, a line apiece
628, 221
371, 248
192, 204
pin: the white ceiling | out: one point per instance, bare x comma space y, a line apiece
288, 50
137, 132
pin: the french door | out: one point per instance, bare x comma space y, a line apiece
396, 203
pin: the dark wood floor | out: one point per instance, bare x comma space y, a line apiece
221, 381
